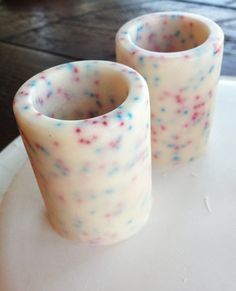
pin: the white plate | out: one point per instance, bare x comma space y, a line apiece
189, 242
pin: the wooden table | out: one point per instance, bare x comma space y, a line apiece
37, 34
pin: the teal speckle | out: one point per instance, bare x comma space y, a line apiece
84, 170
93, 196
129, 221
191, 159
113, 171
59, 124
159, 120
136, 98
109, 191
140, 28
177, 33
130, 127
185, 112
26, 107
141, 60
211, 69
98, 150
155, 66
92, 212
118, 116
130, 115
176, 158
163, 109
78, 223
170, 145
70, 66
33, 83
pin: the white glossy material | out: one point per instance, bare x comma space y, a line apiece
188, 244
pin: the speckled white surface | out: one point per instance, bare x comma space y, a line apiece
188, 244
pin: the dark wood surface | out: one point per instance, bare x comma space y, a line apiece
37, 34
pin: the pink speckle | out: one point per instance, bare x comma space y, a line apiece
105, 123
78, 130
122, 123
61, 198
191, 24
194, 116
197, 106
210, 93
108, 215
155, 156
56, 143
163, 128
97, 82
59, 90
79, 201
76, 70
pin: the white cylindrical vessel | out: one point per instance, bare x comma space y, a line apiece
86, 128
179, 55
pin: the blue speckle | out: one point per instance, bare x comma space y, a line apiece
130, 115
140, 28
211, 69
118, 116
176, 158
113, 171
177, 33
109, 191
98, 150
141, 60
70, 66
33, 83
93, 196
26, 107
155, 66
59, 124
78, 223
